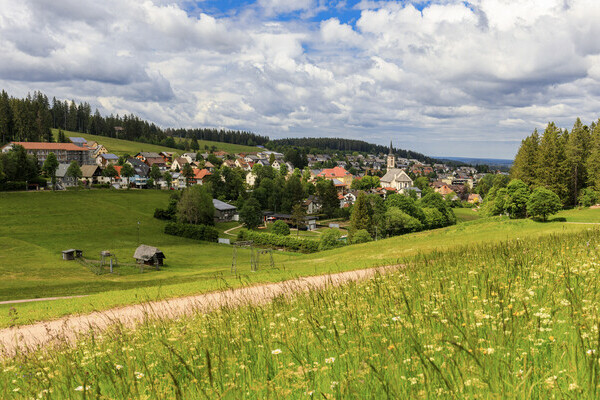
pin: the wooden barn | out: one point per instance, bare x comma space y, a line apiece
149, 255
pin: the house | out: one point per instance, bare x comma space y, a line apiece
251, 179
312, 204
90, 174
444, 190
474, 198
179, 181
223, 211
64, 152
149, 255
144, 155
141, 172
338, 173
167, 156
78, 141
104, 160
62, 179
179, 163
97, 150
396, 178
190, 157
348, 199
199, 176
158, 161
229, 164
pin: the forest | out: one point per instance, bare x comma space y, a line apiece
313, 145
566, 162
30, 119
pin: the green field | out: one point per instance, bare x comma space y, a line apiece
120, 147
510, 319
466, 214
36, 226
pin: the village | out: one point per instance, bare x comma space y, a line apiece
172, 171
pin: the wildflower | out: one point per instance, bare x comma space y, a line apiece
590, 352
81, 388
118, 366
138, 375
573, 386
489, 350
330, 360
276, 351
16, 389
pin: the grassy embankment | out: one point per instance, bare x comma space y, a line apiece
120, 147
36, 227
511, 319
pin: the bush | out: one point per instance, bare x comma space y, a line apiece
280, 228
331, 239
587, 197
286, 242
361, 236
433, 218
196, 232
398, 222
12, 186
101, 185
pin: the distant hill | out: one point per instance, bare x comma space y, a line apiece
492, 162
345, 145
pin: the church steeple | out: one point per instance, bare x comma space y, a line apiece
391, 159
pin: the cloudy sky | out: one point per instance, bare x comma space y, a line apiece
443, 77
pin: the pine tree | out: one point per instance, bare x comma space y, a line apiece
524, 166
361, 214
593, 161
577, 152
551, 164
6, 118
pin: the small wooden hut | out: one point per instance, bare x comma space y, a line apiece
71, 254
149, 255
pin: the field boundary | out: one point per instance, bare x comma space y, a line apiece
66, 330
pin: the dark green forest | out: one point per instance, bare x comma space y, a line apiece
566, 162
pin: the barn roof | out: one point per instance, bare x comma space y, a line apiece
145, 252
222, 206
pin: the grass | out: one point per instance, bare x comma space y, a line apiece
120, 147
466, 214
513, 319
36, 227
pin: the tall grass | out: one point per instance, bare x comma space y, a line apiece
517, 319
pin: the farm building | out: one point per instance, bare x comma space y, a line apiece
71, 254
224, 211
149, 255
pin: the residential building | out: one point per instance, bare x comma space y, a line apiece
104, 160
397, 179
338, 173
64, 152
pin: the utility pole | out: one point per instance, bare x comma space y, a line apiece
138, 226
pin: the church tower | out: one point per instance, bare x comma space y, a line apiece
391, 159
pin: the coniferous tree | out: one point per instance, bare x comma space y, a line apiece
524, 166
551, 166
593, 161
361, 214
577, 152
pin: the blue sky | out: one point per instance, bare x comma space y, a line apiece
442, 77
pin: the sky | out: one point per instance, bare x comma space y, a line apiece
442, 77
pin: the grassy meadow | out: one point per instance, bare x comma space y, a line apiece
120, 147
512, 319
36, 227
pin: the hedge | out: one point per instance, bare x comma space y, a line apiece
287, 242
197, 232
12, 186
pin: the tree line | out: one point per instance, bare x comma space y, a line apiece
565, 162
315, 145
32, 118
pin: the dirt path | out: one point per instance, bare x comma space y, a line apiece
228, 231
42, 299
29, 337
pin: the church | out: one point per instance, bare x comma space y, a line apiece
395, 177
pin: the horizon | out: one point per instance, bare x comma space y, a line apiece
465, 79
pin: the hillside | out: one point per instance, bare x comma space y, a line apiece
36, 227
120, 147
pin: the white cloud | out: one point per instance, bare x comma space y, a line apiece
445, 76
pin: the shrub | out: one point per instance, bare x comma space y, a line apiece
286, 242
196, 232
12, 186
398, 222
433, 218
331, 239
587, 197
280, 228
101, 185
361, 236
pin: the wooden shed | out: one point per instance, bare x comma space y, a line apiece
71, 254
149, 255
